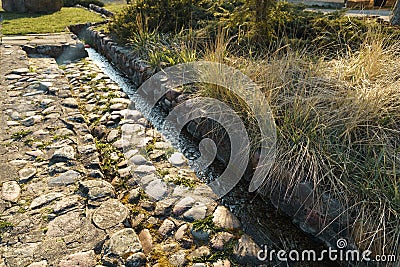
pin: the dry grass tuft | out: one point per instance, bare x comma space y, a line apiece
338, 125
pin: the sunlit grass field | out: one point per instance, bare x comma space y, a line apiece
19, 24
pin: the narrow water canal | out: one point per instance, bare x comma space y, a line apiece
259, 218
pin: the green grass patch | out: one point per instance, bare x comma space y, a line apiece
19, 24
20, 134
205, 224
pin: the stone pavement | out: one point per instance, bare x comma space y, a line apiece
40, 39
70, 197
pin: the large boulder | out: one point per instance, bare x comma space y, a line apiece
32, 6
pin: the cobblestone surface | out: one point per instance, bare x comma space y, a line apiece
71, 197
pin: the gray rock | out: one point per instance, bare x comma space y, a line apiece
183, 205
222, 263
10, 191
139, 160
169, 247
136, 260
81, 259
69, 177
199, 265
156, 189
144, 170
95, 189
64, 153
146, 240
26, 174
163, 208
245, 252
12, 123
122, 243
13, 76
200, 252
112, 135
148, 178
28, 121
220, 239
69, 102
120, 100
134, 195
20, 71
180, 233
42, 263
59, 167
223, 218
178, 259
177, 159
198, 212
21, 255
45, 86
122, 144
15, 115
132, 129
44, 199
200, 234
109, 214
166, 227
118, 106
162, 145
87, 149
72, 228
134, 115
35, 153
66, 203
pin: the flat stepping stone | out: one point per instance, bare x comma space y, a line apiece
157, 189
123, 242
67, 178
10, 191
44, 199
20, 71
130, 129
64, 153
26, 174
118, 106
95, 189
13, 77
139, 160
120, 100
109, 214
69, 102
85, 259
42, 263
